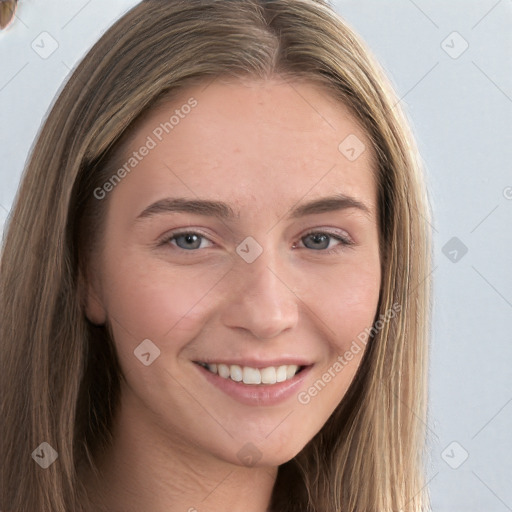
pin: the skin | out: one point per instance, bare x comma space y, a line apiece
263, 147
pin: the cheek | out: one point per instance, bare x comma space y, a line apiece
346, 304
345, 300
148, 299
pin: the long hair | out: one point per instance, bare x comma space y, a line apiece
60, 376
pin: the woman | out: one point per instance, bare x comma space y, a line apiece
220, 242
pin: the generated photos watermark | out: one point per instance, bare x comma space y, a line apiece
157, 135
305, 397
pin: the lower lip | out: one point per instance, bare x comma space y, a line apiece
257, 394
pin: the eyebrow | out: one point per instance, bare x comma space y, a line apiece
222, 210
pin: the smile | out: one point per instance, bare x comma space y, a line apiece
249, 375
257, 383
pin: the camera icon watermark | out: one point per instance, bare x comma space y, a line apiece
249, 249
454, 455
454, 45
249, 454
147, 352
45, 455
454, 249
44, 45
507, 193
351, 147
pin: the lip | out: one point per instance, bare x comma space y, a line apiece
257, 394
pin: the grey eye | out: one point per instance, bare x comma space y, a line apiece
191, 241
7, 10
319, 240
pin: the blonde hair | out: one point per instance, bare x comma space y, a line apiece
60, 375
7, 10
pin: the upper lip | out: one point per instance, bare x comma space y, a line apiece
257, 363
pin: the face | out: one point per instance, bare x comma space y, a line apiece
232, 291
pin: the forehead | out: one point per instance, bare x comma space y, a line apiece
243, 141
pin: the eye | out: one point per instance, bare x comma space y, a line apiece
321, 241
316, 240
186, 240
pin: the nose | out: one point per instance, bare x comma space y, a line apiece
261, 301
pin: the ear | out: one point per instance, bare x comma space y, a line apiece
90, 293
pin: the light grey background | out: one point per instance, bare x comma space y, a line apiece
460, 106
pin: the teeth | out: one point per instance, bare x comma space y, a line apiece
223, 370
281, 374
251, 375
236, 373
268, 375
248, 375
290, 371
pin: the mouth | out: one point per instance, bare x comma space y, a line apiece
268, 375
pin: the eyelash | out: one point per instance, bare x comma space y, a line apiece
344, 241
